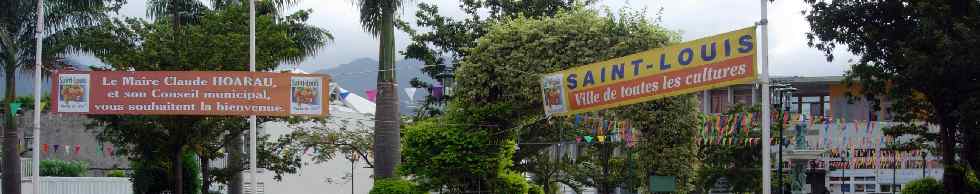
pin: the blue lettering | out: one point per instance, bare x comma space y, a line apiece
728, 48
663, 62
589, 80
746, 42
618, 71
704, 51
572, 83
636, 66
602, 75
685, 56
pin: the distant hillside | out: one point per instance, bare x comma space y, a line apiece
361, 75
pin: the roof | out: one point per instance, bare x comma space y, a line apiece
803, 80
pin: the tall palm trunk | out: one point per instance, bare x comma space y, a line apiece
234, 162
387, 133
11, 159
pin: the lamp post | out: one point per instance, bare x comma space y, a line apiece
784, 92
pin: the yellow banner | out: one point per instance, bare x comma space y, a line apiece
710, 62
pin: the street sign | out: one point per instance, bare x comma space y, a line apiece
663, 183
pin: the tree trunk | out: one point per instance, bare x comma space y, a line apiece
11, 159
234, 162
205, 174
387, 136
178, 169
952, 179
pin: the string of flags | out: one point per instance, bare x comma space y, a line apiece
592, 129
833, 132
877, 159
75, 150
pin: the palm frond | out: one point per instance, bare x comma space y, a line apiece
371, 11
184, 10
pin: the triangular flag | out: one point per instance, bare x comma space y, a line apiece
67, 149
372, 95
44, 148
410, 91
343, 95
14, 107
78, 149
578, 139
602, 138
588, 139
56, 147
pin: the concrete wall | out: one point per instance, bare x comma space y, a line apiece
68, 129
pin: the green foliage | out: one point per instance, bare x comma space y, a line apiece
443, 41
500, 99
511, 182
394, 186
450, 156
535, 189
923, 186
116, 173
61, 168
192, 173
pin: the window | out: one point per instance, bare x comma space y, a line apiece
859, 188
845, 188
886, 188
869, 188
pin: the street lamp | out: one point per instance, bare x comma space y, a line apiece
785, 92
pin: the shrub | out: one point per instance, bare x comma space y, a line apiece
116, 173
536, 189
923, 186
61, 168
394, 186
512, 182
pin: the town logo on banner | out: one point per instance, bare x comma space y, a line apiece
711, 62
191, 93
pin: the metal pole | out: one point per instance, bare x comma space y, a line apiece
253, 160
764, 78
779, 159
36, 152
352, 183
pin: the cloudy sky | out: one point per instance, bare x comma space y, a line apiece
789, 54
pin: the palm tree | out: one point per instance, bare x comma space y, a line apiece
378, 18
17, 49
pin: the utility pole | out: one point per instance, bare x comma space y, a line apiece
253, 159
36, 151
764, 78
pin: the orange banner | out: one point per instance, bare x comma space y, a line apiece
190, 93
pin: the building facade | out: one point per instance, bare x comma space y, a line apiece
846, 132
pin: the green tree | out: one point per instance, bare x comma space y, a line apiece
919, 55
501, 95
216, 41
18, 21
378, 18
454, 158
441, 42
922, 186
